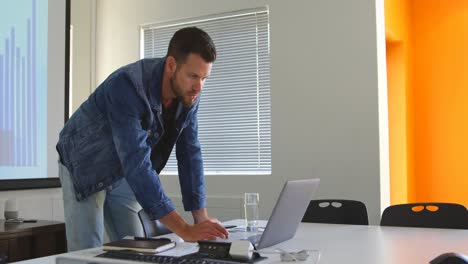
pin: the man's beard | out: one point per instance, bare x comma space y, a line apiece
186, 101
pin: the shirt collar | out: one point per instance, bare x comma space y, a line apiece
155, 89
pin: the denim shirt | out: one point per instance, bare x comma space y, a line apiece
113, 134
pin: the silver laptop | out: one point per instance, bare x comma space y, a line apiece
286, 216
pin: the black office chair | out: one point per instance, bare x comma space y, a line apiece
450, 258
435, 215
334, 211
152, 228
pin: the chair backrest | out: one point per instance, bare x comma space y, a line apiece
152, 228
435, 215
450, 258
333, 211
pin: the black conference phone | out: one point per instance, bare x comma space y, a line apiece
238, 250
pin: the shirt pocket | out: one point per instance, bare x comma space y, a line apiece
91, 140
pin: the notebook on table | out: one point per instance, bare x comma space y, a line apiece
145, 246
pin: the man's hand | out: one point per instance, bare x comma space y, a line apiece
200, 215
208, 229
204, 227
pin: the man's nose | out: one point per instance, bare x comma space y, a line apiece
198, 86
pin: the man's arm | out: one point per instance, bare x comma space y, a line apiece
191, 175
206, 229
200, 215
190, 166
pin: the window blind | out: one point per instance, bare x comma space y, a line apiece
234, 116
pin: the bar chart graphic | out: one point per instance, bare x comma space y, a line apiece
20, 114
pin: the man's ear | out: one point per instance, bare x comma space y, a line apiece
171, 64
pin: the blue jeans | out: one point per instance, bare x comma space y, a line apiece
115, 211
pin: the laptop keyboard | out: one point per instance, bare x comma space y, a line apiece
189, 259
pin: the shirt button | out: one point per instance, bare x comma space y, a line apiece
156, 134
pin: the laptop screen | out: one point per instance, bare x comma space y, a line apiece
288, 211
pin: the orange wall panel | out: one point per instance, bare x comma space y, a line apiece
396, 20
440, 100
427, 68
396, 28
396, 84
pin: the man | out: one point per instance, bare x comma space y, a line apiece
115, 145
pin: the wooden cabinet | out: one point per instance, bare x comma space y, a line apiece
32, 240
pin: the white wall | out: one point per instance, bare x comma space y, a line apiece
83, 21
46, 204
324, 85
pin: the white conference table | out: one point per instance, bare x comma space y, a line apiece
353, 244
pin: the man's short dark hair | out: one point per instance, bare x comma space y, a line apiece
191, 40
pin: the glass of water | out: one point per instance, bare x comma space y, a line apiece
251, 211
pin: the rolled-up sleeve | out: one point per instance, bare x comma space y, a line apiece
125, 110
190, 165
